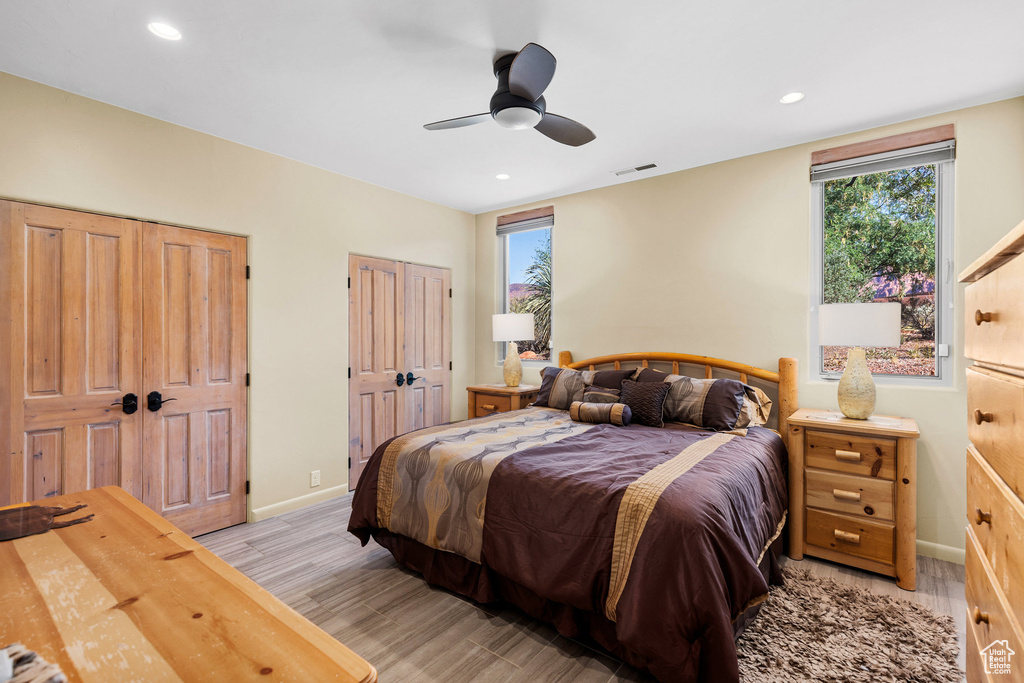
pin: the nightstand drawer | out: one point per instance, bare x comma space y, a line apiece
996, 517
995, 406
987, 613
995, 317
855, 536
853, 495
869, 457
488, 404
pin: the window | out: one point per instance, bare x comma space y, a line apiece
883, 233
526, 255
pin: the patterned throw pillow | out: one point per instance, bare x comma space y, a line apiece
559, 387
601, 413
719, 404
646, 400
609, 379
597, 394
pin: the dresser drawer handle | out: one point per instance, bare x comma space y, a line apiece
980, 417
983, 518
849, 456
852, 496
980, 317
980, 616
488, 406
847, 536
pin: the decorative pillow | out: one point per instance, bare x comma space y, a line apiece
597, 394
609, 379
719, 404
646, 400
559, 387
601, 413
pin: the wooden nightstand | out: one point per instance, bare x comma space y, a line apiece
487, 399
853, 492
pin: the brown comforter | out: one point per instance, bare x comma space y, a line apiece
648, 539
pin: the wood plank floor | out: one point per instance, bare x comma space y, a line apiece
416, 634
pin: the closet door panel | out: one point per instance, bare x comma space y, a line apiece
70, 348
195, 340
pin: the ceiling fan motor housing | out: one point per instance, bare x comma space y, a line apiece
511, 111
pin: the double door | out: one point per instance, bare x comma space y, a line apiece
399, 352
123, 358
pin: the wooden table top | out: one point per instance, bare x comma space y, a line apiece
128, 596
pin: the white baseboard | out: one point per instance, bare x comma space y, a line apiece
941, 552
267, 511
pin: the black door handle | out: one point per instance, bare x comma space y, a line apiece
410, 378
400, 380
129, 403
154, 401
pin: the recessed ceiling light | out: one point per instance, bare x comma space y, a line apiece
503, 176
165, 31
792, 97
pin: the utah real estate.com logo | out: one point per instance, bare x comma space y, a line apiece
997, 657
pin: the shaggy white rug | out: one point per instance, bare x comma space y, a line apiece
814, 629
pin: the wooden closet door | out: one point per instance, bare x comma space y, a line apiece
194, 334
428, 342
376, 355
69, 348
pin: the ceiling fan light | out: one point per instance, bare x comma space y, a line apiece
517, 117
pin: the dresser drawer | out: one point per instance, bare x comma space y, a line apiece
855, 536
870, 457
851, 494
995, 422
488, 404
987, 612
995, 316
996, 517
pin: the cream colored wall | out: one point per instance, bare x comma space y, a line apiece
715, 260
302, 222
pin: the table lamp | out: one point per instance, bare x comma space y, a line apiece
858, 325
512, 327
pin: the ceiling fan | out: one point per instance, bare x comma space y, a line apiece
519, 103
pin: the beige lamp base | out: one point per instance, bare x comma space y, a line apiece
513, 366
856, 388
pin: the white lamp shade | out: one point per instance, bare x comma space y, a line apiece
512, 327
859, 324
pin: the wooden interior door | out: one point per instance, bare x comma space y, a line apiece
376, 315
69, 349
194, 335
428, 345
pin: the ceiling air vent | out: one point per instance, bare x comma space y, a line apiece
634, 169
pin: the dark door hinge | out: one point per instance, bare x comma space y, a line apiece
350, 373
247, 272
246, 487
449, 365
449, 292
350, 283
350, 462
247, 379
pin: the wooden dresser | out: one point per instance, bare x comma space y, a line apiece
853, 492
994, 340
487, 399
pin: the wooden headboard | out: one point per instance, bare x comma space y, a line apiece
785, 377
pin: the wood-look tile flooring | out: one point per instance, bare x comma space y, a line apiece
412, 632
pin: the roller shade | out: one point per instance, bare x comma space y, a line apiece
526, 220
921, 155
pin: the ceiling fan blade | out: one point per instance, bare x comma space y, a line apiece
531, 72
566, 131
460, 122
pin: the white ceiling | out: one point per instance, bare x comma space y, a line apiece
348, 84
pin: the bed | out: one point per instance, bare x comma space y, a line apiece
657, 543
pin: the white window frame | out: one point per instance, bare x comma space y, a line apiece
944, 283
503, 233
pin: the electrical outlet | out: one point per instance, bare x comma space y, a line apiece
314, 478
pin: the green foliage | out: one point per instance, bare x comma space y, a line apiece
878, 224
537, 300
